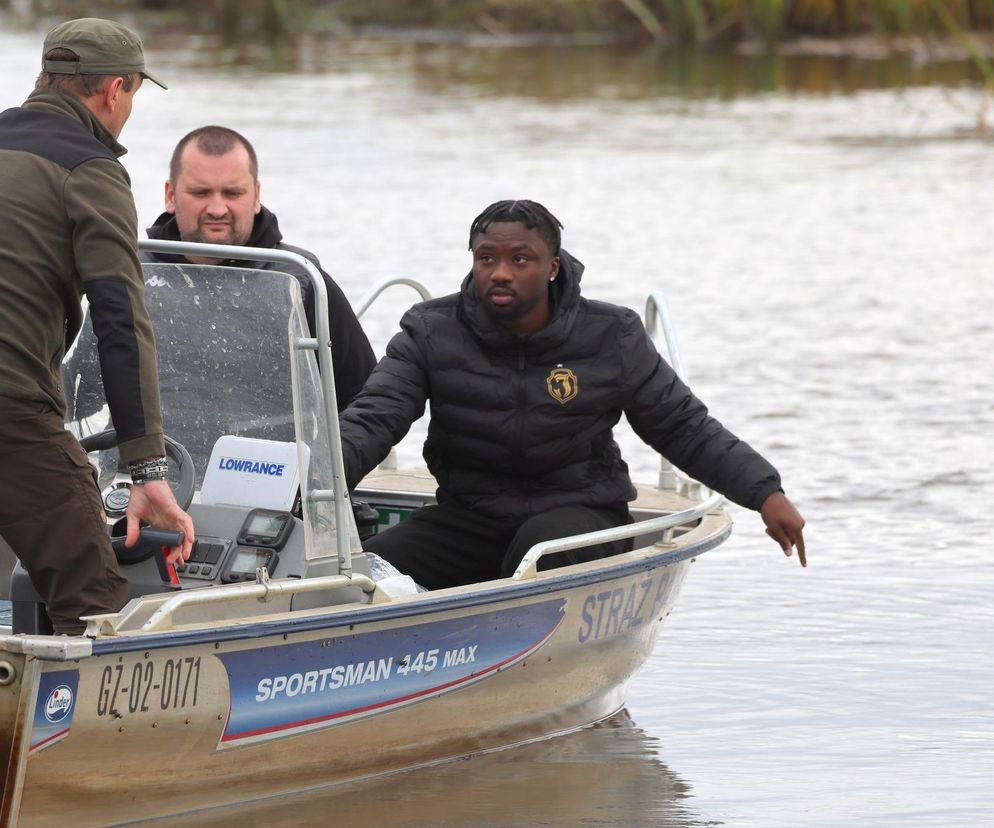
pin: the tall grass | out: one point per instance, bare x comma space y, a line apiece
704, 21
678, 22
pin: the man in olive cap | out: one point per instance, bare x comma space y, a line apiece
68, 226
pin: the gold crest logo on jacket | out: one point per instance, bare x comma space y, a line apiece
562, 384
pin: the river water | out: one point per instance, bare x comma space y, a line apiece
822, 231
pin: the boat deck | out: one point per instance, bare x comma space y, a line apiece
419, 484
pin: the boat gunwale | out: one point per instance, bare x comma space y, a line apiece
507, 590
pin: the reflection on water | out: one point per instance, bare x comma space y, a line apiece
563, 72
608, 775
550, 72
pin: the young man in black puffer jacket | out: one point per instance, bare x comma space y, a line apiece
526, 379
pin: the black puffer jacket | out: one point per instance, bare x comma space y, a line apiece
352, 354
522, 424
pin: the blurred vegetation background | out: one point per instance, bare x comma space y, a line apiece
676, 23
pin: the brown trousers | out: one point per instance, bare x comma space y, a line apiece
52, 518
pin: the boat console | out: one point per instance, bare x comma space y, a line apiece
248, 418
233, 544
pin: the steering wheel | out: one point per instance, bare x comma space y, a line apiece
183, 490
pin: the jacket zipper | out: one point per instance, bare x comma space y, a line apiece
522, 395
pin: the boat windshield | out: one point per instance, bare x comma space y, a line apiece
227, 366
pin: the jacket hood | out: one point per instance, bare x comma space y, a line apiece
564, 295
265, 233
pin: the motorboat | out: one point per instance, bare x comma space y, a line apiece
280, 658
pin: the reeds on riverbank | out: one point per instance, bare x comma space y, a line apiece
778, 19
678, 23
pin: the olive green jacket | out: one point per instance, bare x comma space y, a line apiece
68, 226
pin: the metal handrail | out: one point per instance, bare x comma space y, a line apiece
343, 510
657, 313
389, 282
390, 461
529, 563
264, 590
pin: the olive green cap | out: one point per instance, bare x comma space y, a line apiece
104, 48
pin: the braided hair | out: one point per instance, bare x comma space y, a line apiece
529, 213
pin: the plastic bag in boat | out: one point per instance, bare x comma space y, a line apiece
390, 579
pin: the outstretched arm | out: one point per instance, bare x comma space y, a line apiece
784, 524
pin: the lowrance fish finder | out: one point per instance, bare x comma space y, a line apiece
266, 527
263, 534
245, 560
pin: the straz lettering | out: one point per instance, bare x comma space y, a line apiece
608, 613
664, 595
251, 466
149, 685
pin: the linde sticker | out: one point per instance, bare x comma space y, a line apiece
58, 704
54, 708
283, 690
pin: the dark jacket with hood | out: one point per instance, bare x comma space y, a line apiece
523, 424
351, 352
67, 227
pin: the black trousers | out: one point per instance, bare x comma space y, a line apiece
446, 545
52, 517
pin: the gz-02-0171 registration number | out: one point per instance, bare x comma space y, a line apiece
146, 685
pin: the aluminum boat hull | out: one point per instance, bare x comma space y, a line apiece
204, 715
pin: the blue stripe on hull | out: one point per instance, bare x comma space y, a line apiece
287, 689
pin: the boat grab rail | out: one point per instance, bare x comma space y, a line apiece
390, 462
657, 317
263, 589
528, 568
657, 312
388, 282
